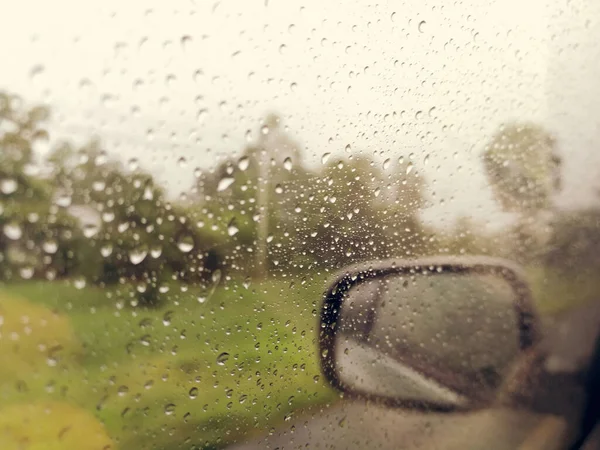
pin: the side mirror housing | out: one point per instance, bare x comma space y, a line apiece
435, 333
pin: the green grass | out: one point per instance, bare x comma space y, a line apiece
155, 377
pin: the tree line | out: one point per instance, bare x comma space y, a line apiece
81, 213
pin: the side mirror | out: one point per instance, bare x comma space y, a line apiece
437, 333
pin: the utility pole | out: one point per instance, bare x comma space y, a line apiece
262, 201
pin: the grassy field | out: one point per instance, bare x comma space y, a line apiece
183, 375
80, 368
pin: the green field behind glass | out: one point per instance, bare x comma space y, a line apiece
91, 371
185, 374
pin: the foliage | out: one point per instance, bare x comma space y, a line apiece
523, 167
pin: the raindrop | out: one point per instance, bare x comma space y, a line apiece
243, 163
422, 26
79, 283
278, 189
169, 409
122, 391
282, 49
224, 183
182, 162
293, 87
222, 358
8, 186
325, 158
185, 243
156, 251
386, 164
26, 272
232, 228
50, 246
186, 41
35, 72
90, 230
193, 392
409, 168
12, 231
136, 256
106, 250
202, 115
287, 164
98, 186
264, 129
168, 316
348, 148
133, 164
64, 200
108, 216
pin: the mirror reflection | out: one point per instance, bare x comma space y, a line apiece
446, 338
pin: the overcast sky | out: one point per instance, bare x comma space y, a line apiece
160, 80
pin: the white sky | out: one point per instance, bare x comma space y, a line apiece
137, 74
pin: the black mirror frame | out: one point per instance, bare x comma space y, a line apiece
529, 327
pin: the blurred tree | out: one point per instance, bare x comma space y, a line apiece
37, 235
575, 243
523, 169
249, 200
143, 238
355, 213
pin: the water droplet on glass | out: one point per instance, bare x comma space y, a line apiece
98, 186
386, 164
185, 243
325, 158
156, 251
264, 129
26, 272
35, 72
287, 164
12, 231
79, 283
202, 115
232, 228
243, 163
224, 183
50, 246
348, 148
136, 256
409, 168
193, 392
106, 250
282, 49
133, 164
182, 162
108, 216
90, 230
222, 358
8, 186
64, 200
168, 316
186, 42
122, 391
422, 26
170, 409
